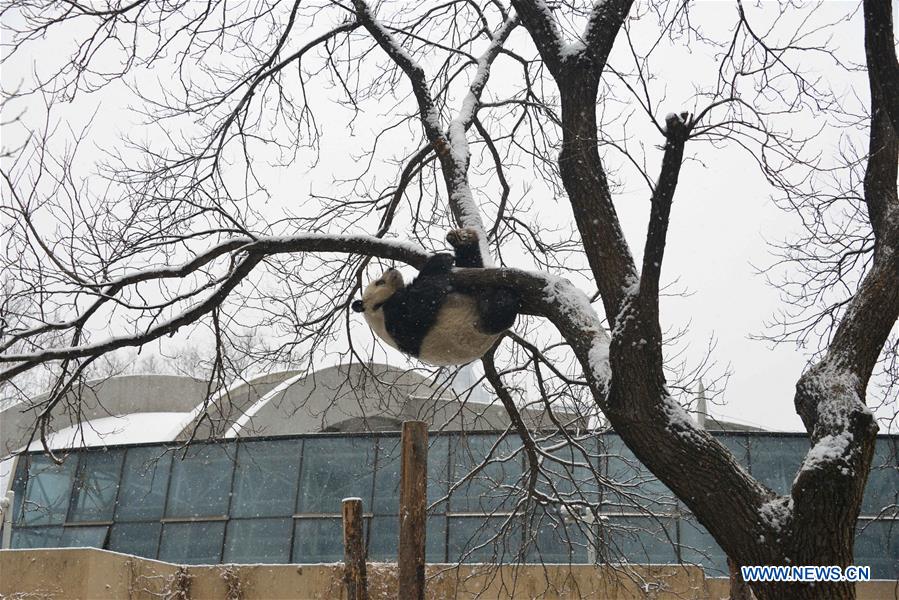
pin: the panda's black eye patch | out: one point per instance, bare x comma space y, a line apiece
378, 306
379, 282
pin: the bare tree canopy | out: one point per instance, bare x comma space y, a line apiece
197, 220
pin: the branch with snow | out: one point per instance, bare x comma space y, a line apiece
606, 20
451, 145
430, 117
246, 254
461, 200
544, 30
594, 45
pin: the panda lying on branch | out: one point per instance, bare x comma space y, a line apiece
430, 318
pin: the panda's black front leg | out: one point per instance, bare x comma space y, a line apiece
437, 264
466, 243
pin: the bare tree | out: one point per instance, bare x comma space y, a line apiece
176, 230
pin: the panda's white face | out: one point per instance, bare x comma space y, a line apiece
380, 290
375, 295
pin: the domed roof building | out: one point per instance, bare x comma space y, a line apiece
164, 408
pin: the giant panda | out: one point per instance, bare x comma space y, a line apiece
431, 319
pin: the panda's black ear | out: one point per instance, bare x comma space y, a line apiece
357, 306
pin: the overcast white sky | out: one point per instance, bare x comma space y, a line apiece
721, 222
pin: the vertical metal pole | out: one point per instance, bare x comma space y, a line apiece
354, 550
413, 510
6, 504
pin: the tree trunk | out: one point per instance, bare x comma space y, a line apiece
739, 590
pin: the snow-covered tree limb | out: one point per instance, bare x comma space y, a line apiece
247, 254
450, 144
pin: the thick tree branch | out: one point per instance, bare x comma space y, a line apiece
577, 77
544, 30
830, 396
462, 202
883, 146
874, 309
880, 51
554, 298
606, 19
638, 404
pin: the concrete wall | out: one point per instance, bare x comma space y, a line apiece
89, 574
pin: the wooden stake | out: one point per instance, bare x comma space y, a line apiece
354, 550
413, 509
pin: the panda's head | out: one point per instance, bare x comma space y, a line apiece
378, 292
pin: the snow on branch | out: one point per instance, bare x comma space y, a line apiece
430, 117
828, 450
606, 19
452, 145
544, 295
837, 398
246, 254
544, 30
777, 513
575, 306
461, 199
595, 43
677, 132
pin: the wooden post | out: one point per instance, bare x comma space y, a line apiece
413, 509
354, 550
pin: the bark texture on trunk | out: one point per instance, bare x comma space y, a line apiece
815, 523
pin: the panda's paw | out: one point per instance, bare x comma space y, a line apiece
467, 236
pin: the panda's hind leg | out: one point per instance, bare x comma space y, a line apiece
466, 243
497, 309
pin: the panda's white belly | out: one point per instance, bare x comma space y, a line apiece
455, 339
